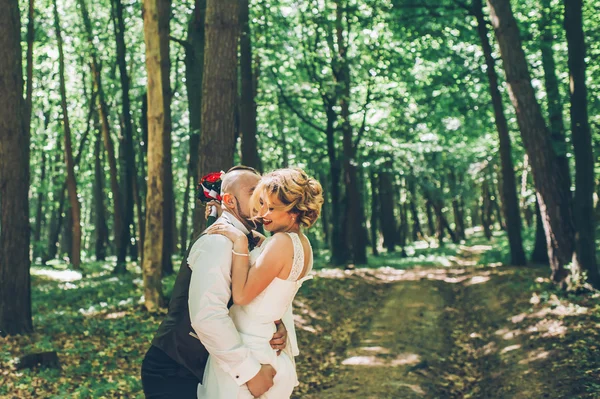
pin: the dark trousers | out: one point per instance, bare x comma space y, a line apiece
164, 378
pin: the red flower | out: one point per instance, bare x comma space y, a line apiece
212, 177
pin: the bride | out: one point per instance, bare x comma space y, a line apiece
265, 280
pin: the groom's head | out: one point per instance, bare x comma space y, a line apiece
237, 187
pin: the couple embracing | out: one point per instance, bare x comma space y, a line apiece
229, 331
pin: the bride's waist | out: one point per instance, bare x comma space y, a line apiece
251, 325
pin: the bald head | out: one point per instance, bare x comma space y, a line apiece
239, 182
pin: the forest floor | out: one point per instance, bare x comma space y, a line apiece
447, 322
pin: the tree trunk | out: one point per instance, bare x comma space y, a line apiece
555, 109
325, 211
386, 209
374, 212
108, 144
354, 209
583, 208
486, 211
555, 202
15, 290
141, 186
219, 88
430, 223
528, 215
249, 145
417, 233
540, 249
510, 202
29, 66
75, 254
170, 228
126, 142
101, 229
194, 72
155, 199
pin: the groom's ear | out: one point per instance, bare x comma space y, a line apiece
228, 200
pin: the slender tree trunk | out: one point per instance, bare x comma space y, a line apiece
141, 185
402, 225
510, 202
15, 290
44, 186
75, 254
524, 182
126, 145
374, 212
417, 233
540, 249
108, 144
555, 202
354, 208
153, 245
583, 209
339, 253
249, 145
170, 228
486, 207
29, 66
194, 73
325, 211
555, 109
285, 157
101, 229
219, 88
430, 224
386, 208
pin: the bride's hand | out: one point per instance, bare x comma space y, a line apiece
227, 230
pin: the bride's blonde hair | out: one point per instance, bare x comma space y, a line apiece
299, 194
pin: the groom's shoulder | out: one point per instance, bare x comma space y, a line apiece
211, 241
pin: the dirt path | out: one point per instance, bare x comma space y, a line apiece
463, 332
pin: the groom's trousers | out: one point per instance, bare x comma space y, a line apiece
164, 378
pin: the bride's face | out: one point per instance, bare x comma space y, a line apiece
274, 218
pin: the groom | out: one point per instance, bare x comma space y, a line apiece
198, 323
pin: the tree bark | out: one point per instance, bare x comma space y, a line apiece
386, 209
219, 88
528, 215
249, 145
194, 72
417, 233
170, 228
430, 223
374, 212
585, 244
555, 202
108, 144
101, 229
354, 209
75, 254
15, 290
29, 66
486, 209
126, 142
155, 199
540, 249
555, 109
510, 202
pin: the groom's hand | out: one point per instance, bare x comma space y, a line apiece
279, 338
261, 382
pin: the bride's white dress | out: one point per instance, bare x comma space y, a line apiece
256, 324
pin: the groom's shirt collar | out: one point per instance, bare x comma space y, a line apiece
234, 221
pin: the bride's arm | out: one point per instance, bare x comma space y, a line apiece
247, 282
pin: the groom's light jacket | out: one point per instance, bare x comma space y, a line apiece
198, 321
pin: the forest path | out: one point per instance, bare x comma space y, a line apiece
460, 332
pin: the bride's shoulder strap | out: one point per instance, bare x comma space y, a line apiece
298, 263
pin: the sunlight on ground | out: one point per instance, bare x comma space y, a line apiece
535, 355
510, 348
403, 359
57, 275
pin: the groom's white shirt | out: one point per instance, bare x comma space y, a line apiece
210, 291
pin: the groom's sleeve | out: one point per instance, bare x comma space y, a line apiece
210, 291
